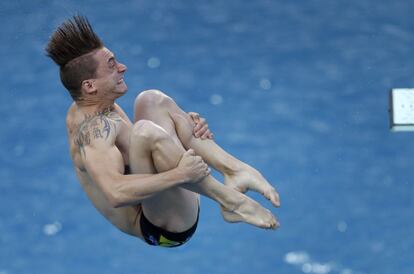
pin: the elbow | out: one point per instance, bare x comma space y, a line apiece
117, 203
119, 194
115, 199
112, 190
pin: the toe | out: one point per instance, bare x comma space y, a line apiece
274, 198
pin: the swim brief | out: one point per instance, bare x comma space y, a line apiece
127, 170
157, 236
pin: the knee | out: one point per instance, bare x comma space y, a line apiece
153, 98
147, 131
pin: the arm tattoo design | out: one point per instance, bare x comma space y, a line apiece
97, 126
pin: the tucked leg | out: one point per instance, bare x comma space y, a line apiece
162, 110
154, 150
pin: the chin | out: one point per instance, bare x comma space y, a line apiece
123, 89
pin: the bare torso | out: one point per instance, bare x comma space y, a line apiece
115, 127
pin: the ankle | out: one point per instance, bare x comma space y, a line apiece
232, 167
233, 201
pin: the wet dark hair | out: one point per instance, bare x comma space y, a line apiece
72, 47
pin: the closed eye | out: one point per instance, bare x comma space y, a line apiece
111, 62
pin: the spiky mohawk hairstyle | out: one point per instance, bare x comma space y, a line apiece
72, 47
72, 39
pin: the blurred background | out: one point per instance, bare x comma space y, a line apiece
298, 89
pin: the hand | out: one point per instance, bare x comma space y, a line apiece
201, 127
193, 166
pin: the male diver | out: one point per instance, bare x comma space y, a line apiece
145, 176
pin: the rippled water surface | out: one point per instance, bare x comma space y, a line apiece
299, 89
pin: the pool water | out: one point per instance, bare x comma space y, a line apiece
298, 89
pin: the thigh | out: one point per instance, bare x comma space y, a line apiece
174, 209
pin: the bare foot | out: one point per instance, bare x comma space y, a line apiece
247, 178
248, 211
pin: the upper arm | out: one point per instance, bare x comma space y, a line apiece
101, 159
102, 162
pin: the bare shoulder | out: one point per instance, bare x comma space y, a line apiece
98, 130
122, 114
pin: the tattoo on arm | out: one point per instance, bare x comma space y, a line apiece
96, 127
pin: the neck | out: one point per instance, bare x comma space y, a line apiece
89, 109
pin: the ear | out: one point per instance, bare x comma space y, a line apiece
88, 86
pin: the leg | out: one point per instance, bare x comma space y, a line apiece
161, 109
175, 209
163, 210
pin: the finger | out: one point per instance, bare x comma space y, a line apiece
206, 170
211, 136
197, 127
202, 121
202, 130
195, 116
205, 134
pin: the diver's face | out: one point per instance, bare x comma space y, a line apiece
109, 79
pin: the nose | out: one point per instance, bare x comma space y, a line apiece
121, 67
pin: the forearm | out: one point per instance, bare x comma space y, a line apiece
132, 189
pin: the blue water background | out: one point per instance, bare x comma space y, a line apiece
298, 89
